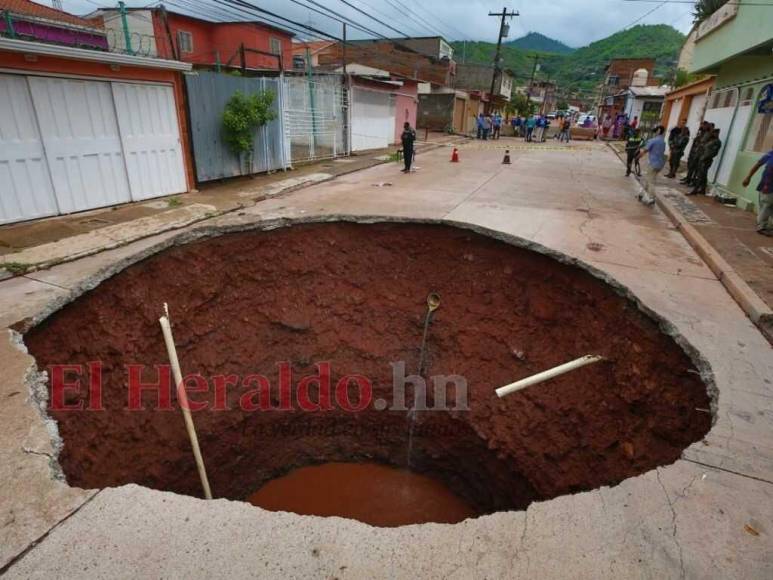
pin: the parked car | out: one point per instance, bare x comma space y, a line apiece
581, 120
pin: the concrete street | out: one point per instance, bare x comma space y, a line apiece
709, 515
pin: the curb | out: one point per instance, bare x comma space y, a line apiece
754, 307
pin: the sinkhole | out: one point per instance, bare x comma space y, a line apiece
268, 319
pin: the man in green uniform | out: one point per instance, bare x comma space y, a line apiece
708, 152
693, 159
677, 144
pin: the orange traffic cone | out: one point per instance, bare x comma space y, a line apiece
506, 160
455, 156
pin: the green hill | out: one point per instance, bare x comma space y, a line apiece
540, 43
581, 70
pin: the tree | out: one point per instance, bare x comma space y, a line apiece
242, 116
520, 105
562, 105
705, 8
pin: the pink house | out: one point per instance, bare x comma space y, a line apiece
406, 105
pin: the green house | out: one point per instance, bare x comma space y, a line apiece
736, 44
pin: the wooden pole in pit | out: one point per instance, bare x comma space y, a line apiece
182, 397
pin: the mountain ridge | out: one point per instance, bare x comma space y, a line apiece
579, 72
541, 43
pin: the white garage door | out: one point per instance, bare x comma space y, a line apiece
69, 145
373, 120
80, 136
25, 185
151, 139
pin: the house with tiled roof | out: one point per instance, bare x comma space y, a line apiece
26, 20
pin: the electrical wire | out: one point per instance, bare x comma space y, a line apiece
382, 23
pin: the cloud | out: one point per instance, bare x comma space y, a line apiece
573, 22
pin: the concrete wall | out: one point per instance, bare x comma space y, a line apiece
436, 111
475, 77
751, 27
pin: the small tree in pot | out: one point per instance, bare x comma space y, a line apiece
243, 115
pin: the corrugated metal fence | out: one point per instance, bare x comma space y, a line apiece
208, 93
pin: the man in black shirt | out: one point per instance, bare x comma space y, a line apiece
407, 138
633, 144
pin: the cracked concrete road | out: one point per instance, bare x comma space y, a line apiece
709, 515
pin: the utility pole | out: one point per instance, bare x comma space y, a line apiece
504, 30
533, 74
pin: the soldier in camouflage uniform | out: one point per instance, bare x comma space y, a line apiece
677, 144
708, 152
695, 153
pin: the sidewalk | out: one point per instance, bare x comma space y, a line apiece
42, 243
726, 239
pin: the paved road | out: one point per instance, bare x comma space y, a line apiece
709, 515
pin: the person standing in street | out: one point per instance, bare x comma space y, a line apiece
479, 126
709, 151
497, 125
655, 148
695, 153
407, 139
540, 129
487, 124
633, 145
531, 123
765, 189
606, 125
677, 143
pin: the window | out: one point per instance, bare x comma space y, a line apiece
184, 41
723, 99
299, 62
613, 80
275, 46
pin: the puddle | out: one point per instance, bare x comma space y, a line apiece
368, 492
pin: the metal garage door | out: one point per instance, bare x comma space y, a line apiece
69, 145
151, 139
25, 185
81, 140
373, 119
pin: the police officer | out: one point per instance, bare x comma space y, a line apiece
708, 152
407, 139
677, 143
632, 146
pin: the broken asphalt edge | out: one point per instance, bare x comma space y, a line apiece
749, 301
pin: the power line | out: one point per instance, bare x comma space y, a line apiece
338, 17
693, 2
420, 18
381, 22
383, 15
643, 16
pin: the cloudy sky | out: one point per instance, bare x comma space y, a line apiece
574, 22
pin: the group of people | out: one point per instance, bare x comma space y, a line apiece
534, 128
704, 149
620, 127
488, 126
